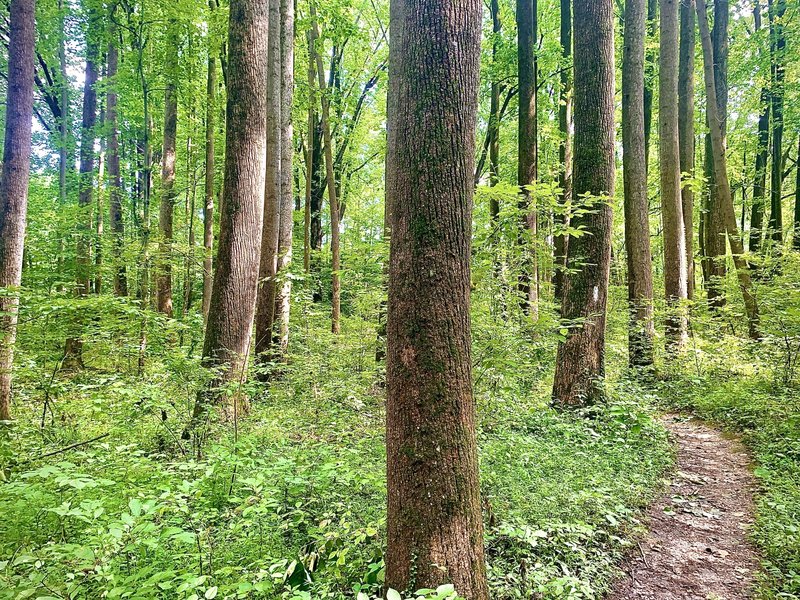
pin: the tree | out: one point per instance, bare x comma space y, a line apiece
637, 218
686, 132
115, 192
564, 147
168, 195
14, 182
434, 523
208, 206
762, 157
580, 357
675, 279
776, 9
230, 317
796, 224
721, 174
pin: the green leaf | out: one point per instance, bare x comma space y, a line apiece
211, 592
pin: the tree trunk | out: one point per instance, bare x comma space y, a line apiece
230, 317
580, 358
115, 179
265, 305
63, 126
527, 168
494, 113
776, 11
166, 210
564, 147
669, 160
14, 182
760, 178
686, 131
721, 174
208, 207
649, 76
310, 155
434, 524
637, 218
796, 234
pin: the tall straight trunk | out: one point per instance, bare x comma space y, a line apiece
99, 220
265, 305
208, 206
776, 12
115, 178
649, 76
796, 228
168, 195
721, 174
686, 131
760, 177
494, 112
527, 167
230, 317
675, 279
310, 138
564, 146
637, 218
63, 126
434, 524
580, 359
284, 289
189, 210
14, 182
714, 227
332, 196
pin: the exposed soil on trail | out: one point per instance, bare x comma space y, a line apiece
697, 544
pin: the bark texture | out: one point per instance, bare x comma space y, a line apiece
760, 177
14, 182
637, 218
564, 147
580, 358
686, 131
115, 178
434, 524
776, 12
208, 206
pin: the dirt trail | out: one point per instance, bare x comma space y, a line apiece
697, 546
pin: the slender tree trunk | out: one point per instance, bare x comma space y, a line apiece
494, 113
669, 161
686, 131
760, 178
332, 197
434, 524
796, 235
284, 290
721, 174
99, 221
649, 75
776, 12
167, 208
581, 357
208, 207
564, 146
115, 179
230, 317
527, 168
14, 182
310, 165
267, 285
637, 218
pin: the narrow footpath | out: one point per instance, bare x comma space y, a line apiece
697, 545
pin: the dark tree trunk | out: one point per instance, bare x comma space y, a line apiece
580, 358
115, 179
230, 317
564, 147
686, 131
776, 12
166, 211
14, 182
637, 218
208, 207
494, 113
434, 524
669, 161
760, 178
310, 156
796, 229
649, 76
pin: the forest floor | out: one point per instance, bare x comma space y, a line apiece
697, 546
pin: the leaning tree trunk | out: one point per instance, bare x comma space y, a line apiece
167, 208
115, 179
669, 162
230, 317
776, 12
208, 207
14, 182
686, 132
637, 217
434, 524
581, 357
721, 175
561, 240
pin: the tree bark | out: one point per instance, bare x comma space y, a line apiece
669, 161
208, 206
310, 155
167, 208
564, 147
721, 175
649, 76
776, 11
686, 132
115, 179
760, 178
580, 358
14, 182
637, 217
230, 317
434, 524
796, 229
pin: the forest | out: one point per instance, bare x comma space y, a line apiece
400, 299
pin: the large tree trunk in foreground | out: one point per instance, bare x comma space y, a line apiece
637, 218
230, 317
686, 132
208, 207
564, 147
167, 209
115, 178
580, 358
721, 175
14, 182
669, 162
434, 524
